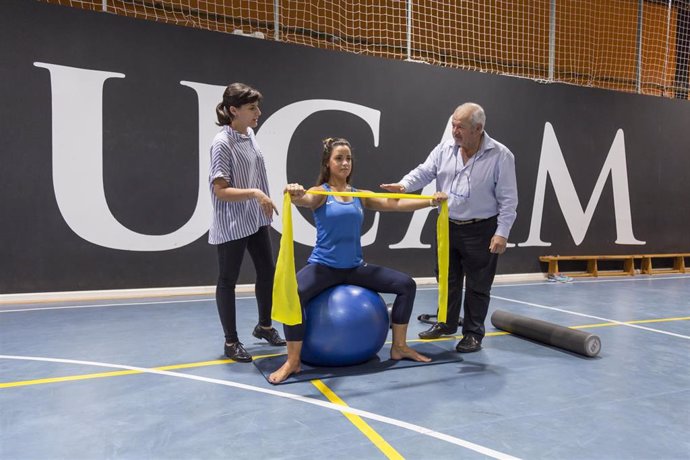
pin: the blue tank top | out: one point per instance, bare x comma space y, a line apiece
338, 233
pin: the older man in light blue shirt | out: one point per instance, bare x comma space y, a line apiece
478, 174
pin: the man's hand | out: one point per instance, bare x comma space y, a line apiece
393, 188
498, 245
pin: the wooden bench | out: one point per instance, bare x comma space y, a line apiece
628, 268
592, 265
678, 263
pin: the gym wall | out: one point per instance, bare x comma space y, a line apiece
106, 123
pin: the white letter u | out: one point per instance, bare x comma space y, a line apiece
77, 131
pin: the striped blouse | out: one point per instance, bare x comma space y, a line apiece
236, 158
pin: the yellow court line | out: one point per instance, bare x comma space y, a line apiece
582, 326
68, 378
637, 321
357, 421
71, 378
98, 375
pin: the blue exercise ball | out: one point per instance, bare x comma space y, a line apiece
345, 325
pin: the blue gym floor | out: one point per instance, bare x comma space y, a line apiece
145, 379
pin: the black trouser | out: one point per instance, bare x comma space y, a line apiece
230, 255
470, 260
315, 278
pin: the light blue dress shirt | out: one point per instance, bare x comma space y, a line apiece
483, 187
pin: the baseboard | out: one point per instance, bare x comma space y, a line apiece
114, 294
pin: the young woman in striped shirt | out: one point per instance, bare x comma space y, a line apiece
242, 213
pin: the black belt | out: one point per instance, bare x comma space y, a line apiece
470, 221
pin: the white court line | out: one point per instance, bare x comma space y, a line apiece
327, 405
126, 304
580, 281
600, 318
433, 288
624, 280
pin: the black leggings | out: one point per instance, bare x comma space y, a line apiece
315, 278
230, 255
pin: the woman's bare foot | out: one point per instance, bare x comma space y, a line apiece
405, 352
285, 371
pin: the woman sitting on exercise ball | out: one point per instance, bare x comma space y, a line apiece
337, 255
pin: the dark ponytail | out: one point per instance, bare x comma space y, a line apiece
235, 95
328, 146
224, 117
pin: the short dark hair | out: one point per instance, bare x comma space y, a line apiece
235, 95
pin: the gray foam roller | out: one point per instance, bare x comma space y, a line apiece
580, 342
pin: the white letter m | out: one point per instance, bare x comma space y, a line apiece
551, 163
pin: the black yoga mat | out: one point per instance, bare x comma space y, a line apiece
381, 362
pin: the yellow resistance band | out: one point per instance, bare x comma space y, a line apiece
286, 305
